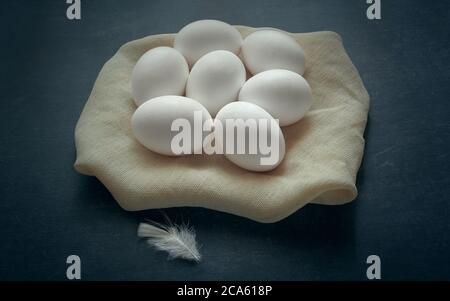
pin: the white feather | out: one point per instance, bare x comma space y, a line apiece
177, 240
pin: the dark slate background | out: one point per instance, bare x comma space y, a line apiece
48, 211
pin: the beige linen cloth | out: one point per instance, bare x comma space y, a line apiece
323, 150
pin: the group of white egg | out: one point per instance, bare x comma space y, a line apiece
218, 58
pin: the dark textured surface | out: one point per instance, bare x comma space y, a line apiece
48, 211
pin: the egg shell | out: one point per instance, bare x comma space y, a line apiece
247, 111
284, 94
160, 71
200, 37
272, 49
216, 79
152, 121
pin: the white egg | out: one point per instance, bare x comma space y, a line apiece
284, 94
152, 123
160, 71
216, 79
254, 123
271, 49
198, 38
